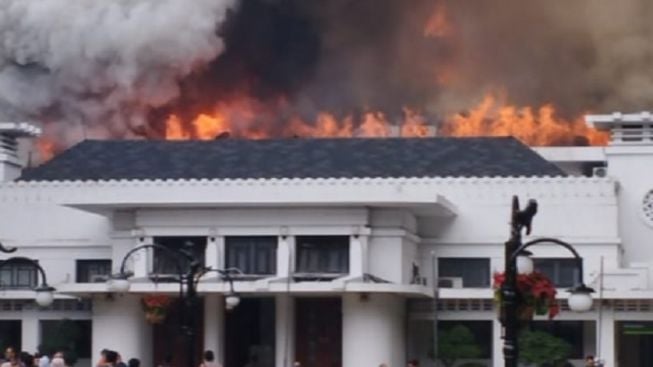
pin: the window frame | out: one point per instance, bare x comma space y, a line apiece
252, 249
168, 264
86, 262
15, 269
556, 263
322, 249
486, 282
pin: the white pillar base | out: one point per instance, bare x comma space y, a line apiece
285, 331
214, 326
120, 325
373, 330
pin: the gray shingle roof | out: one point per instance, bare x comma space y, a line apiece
294, 158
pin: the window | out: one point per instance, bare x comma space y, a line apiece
10, 334
562, 272
167, 263
323, 254
569, 331
253, 255
18, 275
72, 336
93, 271
474, 272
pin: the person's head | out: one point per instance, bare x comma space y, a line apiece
57, 362
68, 359
208, 356
111, 357
413, 363
27, 359
10, 353
58, 354
134, 363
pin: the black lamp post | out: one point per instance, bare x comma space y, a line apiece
44, 293
517, 260
188, 280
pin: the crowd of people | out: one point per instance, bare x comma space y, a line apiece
108, 358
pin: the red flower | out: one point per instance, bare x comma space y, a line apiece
536, 290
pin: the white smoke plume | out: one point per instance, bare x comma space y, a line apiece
101, 64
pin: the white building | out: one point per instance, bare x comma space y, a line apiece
330, 234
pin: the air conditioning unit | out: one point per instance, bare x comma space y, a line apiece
98, 278
450, 282
600, 171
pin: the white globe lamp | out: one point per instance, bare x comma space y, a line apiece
580, 299
118, 284
44, 296
525, 264
231, 301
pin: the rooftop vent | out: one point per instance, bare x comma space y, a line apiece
10, 165
625, 129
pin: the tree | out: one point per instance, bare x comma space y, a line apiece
457, 343
539, 348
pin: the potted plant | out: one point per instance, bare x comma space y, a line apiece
156, 307
536, 295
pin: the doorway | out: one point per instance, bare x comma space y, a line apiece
168, 337
250, 333
318, 332
635, 344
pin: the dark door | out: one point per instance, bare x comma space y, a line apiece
169, 339
250, 333
318, 332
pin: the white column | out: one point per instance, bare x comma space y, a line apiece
607, 337
214, 325
285, 256
373, 330
119, 324
31, 332
358, 255
142, 258
497, 343
285, 330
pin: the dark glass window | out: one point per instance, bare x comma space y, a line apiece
562, 272
18, 275
481, 330
70, 336
93, 271
569, 331
253, 255
475, 272
10, 334
167, 263
323, 254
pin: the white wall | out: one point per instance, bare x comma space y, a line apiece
373, 330
119, 324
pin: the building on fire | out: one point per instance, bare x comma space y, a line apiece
341, 242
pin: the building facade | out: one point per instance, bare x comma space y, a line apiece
342, 244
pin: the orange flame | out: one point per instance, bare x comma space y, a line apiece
241, 121
534, 126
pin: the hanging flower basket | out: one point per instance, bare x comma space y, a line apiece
536, 295
156, 308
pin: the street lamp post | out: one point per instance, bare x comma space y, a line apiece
517, 260
188, 281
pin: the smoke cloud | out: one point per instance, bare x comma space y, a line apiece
120, 67
93, 67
